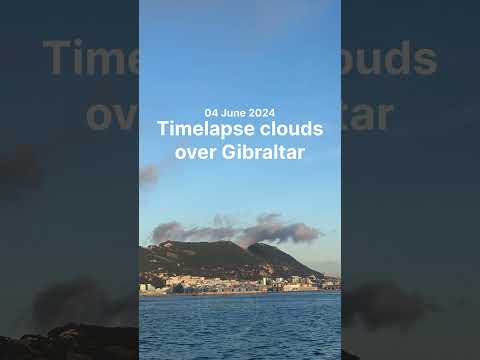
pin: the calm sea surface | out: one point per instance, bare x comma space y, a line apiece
300, 326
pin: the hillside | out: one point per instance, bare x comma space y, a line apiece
222, 259
283, 264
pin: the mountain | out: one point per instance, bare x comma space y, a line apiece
223, 259
283, 264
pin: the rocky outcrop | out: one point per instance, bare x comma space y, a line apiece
348, 356
74, 342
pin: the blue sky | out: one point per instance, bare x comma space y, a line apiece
236, 55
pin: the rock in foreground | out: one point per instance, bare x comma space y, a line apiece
74, 342
348, 356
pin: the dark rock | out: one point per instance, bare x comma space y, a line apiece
74, 342
348, 356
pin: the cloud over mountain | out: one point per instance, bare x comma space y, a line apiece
268, 227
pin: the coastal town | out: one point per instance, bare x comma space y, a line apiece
165, 284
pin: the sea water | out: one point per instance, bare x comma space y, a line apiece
303, 326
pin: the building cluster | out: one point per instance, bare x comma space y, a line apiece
188, 284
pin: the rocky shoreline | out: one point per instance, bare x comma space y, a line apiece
81, 342
73, 342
